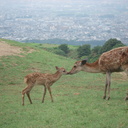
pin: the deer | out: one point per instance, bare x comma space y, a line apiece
115, 60
45, 79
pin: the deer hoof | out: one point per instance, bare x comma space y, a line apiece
107, 98
104, 97
126, 98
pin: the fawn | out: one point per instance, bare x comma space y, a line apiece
44, 79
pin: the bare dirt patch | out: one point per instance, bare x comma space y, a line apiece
7, 50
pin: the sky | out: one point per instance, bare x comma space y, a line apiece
88, 2
52, 9
50, 1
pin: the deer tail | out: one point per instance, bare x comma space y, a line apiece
25, 79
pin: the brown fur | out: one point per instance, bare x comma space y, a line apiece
115, 60
44, 79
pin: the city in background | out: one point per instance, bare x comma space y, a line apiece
79, 20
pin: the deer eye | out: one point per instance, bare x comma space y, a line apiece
74, 66
64, 71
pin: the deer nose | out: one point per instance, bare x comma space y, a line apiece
68, 73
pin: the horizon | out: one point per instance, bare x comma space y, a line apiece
81, 20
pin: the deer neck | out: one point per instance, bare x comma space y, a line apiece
56, 76
91, 67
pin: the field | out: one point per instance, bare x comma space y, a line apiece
77, 98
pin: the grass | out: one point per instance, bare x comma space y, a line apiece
77, 98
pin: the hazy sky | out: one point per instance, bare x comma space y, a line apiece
58, 4
86, 2
106, 1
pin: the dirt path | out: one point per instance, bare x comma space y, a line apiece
6, 49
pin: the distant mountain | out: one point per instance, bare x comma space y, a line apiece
70, 42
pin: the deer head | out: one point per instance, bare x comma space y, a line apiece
78, 66
61, 70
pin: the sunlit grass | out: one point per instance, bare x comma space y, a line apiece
77, 98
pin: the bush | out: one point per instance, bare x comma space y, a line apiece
84, 50
110, 44
64, 48
59, 52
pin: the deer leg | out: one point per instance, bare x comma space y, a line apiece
49, 89
126, 98
27, 91
29, 97
44, 94
126, 71
109, 83
105, 89
104, 97
23, 95
23, 99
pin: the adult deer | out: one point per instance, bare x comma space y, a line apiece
115, 60
44, 79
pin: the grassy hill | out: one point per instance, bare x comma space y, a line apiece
78, 99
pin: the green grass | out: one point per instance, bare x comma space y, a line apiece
77, 98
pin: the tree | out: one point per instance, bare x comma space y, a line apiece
96, 50
59, 52
84, 50
95, 53
110, 44
64, 48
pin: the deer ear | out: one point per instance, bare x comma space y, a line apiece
56, 68
83, 62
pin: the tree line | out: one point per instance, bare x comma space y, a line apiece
64, 41
85, 51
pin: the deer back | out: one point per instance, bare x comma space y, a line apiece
113, 60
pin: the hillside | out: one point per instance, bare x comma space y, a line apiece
7, 50
19, 58
77, 98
